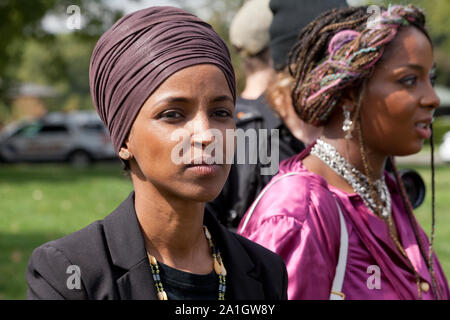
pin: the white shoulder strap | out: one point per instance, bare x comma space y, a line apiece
255, 203
338, 281
342, 260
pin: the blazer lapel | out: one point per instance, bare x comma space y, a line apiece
137, 283
242, 275
127, 249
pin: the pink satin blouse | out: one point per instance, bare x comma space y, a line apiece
298, 219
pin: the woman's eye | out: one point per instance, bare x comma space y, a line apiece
409, 81
223, 114
170, 115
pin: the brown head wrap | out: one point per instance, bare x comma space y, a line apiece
139, 52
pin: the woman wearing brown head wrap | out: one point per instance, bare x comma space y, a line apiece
157, 75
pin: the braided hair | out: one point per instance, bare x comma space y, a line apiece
337, 52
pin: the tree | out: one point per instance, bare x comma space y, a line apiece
21, 31
20, 19
64, 65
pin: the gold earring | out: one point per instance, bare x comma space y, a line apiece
124, 154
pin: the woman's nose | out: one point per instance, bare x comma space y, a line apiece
201, 131
430, 98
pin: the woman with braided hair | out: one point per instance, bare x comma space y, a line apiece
343, 225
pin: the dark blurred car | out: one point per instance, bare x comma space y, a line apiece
77, 137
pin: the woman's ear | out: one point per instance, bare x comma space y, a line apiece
125, 154
349, 100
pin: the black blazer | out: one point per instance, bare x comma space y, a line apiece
113, 263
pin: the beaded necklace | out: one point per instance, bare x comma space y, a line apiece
360, 184
219, 268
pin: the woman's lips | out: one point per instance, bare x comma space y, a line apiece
423, 129
203, 168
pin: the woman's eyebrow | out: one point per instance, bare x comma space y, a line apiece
223, 98
414, 66
172, 99
186, 100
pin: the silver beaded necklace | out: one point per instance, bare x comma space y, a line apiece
357, 180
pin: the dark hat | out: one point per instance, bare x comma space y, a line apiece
289, 18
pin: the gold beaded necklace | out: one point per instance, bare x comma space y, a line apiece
389, 219
218, 265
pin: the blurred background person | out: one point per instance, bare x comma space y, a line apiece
263, 33
249, 36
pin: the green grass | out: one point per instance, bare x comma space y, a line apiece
39, 203
440, 127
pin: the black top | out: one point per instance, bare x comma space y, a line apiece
245, 181
113, 263
181, 285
